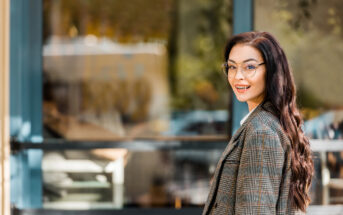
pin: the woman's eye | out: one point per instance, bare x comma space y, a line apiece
231, 67
250, 67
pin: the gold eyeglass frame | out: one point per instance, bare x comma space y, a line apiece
225, 69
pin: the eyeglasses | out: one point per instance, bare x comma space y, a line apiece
248, 69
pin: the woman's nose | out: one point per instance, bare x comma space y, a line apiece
239, 74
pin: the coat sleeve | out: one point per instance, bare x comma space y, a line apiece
259, 174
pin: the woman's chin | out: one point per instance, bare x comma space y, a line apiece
241, 99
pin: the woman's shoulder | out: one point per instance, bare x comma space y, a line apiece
266, 123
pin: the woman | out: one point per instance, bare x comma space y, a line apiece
267, 166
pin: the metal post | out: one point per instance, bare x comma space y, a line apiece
242, 22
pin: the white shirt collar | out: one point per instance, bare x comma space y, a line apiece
246, 116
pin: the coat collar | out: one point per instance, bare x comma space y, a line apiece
264, 106
267, 106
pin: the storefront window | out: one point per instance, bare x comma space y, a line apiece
312, 36
127, 70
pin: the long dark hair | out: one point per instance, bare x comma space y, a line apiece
281, 92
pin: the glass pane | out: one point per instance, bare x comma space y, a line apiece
117, 69
117, 178
311, 34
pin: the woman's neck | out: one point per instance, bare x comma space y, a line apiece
254, 103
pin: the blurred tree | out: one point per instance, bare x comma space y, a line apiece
204, 27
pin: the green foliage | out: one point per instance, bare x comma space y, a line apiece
204, 28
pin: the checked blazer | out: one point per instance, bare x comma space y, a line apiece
253, 174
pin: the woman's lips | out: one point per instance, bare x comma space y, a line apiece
241, 88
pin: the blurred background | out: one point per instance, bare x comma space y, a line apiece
122, 105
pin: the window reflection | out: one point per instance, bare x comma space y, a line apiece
84, 180
115, 178
116, 69
107, 89
120, 70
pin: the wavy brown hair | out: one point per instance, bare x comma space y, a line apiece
281, 92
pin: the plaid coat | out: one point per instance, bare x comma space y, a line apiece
253, 173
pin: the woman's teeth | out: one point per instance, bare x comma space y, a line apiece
243, 88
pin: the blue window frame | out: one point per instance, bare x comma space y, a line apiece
26, 100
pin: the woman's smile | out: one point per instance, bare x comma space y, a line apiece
240, 88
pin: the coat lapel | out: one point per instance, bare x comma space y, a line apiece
267, 106
238, 133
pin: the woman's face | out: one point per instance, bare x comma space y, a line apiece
248, 87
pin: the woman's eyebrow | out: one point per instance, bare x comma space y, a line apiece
250, 59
